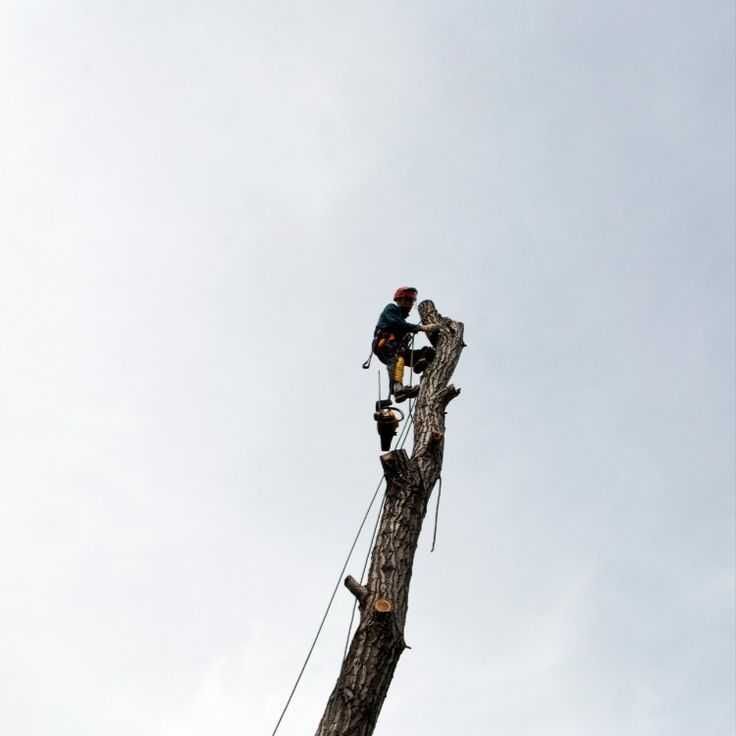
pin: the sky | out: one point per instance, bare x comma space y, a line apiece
203, 209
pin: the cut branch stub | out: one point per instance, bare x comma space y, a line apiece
382, 606
400, 472
358, 590
396, 466
448, 394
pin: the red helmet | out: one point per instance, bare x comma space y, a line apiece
404, 291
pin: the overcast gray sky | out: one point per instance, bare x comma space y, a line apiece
202, 211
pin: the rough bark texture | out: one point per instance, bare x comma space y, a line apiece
354, 705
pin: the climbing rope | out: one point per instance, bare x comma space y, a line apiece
436, 515
399, 445
329, 605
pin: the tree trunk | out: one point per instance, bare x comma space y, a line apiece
354, 705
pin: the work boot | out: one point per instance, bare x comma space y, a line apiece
402, 393
423, 358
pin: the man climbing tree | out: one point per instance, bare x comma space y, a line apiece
391, 343
383, 596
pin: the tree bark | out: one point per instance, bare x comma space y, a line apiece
355, 702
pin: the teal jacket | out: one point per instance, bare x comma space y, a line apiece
392, 320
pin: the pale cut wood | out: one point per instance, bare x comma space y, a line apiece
382, 606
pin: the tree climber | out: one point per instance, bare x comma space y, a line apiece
391, 341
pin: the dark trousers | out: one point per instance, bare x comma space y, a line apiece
396, 356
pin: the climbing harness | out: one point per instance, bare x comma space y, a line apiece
381, 338
384, 340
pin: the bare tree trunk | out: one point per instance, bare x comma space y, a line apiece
354, 705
